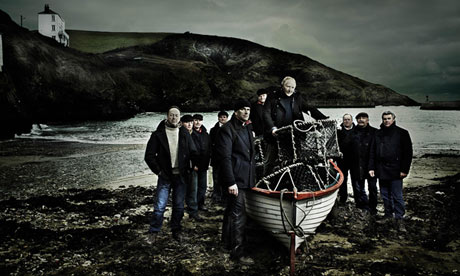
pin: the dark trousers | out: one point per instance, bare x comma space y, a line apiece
344, 166
164, 187
201, 178
392, 196
270, 158
234, 223
359, 193
216, 188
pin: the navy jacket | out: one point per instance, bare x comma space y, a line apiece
391, 152
213, 138
157, 154
235, 150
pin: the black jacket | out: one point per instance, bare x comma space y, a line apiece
391, 152
363, 137
345, 139
213, 138
203, 146
257, 118
235, 150
275, 112
157, 154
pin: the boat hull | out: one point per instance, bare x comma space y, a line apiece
306, 214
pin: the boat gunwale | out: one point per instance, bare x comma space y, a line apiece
296, 196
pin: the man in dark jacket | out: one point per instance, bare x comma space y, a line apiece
345, 139
200, 171
168, 155
235, 150
390, 160
217, 194
363, 137
282, 108
257, 112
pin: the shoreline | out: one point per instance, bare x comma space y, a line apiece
76, 208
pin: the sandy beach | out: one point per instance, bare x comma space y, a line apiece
83, 209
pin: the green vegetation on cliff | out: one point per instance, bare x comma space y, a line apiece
99, 42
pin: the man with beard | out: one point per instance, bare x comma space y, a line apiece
168, 154
390, 160
235, 150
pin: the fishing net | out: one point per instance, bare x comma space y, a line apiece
303, 151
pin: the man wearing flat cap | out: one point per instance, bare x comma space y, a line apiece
257, 112
362, 137
235, 151
200, 171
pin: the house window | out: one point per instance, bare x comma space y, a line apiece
53, 18
53, 28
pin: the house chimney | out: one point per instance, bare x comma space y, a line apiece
47, 8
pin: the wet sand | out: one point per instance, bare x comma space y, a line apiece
74, 208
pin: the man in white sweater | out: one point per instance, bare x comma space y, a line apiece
168, 155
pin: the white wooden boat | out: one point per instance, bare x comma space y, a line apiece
283, 213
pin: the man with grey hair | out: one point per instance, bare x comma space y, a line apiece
390, 159
282, 108
345, 140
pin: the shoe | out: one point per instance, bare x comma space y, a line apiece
197, 218
400, 226
151, 238
384, 220
245, 260
203, 208
177, 236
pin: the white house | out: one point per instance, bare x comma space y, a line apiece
52, 25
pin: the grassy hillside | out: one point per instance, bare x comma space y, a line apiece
99, 42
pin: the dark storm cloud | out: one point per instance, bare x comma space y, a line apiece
410, 46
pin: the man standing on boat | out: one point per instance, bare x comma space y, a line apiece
282, 108
168, 155
345, 139
390, 160
363, 137
235, 150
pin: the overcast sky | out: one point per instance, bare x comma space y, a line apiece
411, 46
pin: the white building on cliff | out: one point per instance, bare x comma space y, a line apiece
52, 25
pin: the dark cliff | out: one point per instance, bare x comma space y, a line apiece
43, 82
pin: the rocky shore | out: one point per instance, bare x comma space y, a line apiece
73, 208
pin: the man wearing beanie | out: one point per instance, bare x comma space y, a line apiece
168, 154
235, 151
200, 171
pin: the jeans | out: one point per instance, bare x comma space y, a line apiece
164, 186
392, 196
361, 199
234, 223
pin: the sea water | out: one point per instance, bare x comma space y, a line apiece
431, 131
